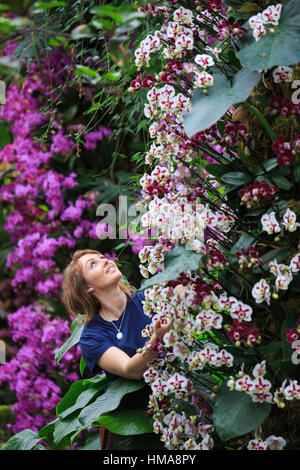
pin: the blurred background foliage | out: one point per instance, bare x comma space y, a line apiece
89, 90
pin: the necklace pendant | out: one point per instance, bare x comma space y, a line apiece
120, 335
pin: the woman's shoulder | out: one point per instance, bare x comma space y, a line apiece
92, 328
139, 295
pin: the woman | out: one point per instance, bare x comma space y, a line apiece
93, 285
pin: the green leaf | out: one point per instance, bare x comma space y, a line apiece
109, 401
24, 440
72, 341
236, 178
82, 365
280, 48
64, 428
81, 31
262, 99
70, 112
229, 284
262, 120
235, 413
4, 136
270, 348
92, 442
39, 7
83, 70
176, 261
297, 173
234, 3
127, 422
113, 76
216, 169
79, 395
243, 242
119, 14
142, 124
278, 253
282, 182
221, 127
208, 109
268, 166
282, 369
46, 434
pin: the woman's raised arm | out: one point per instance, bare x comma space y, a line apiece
117, 362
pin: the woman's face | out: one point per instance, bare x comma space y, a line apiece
98, 271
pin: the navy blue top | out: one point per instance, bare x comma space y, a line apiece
99, 334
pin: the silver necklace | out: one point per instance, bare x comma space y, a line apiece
120, 334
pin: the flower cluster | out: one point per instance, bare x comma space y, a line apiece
41, 221
283, 74
261, 291
182, 205
255, 194
293, 334
179, 344
233, 132
140, 82
284, 106
248, 257
271, 225
257, 387
91, 138
285, 150
179, 431
225, 29
270, 443
269, 15
240, 332
36, 391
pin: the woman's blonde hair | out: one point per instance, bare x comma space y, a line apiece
74, 288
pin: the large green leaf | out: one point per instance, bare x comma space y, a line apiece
263, 121
92, 442
24, 440
66, 427
282, 182
235, 413
236, 178
244, 241
127, 422
109, 401
207, 109
216, 169
62, 432
79, 395
119, 14
72, 341
46, 434
279, 48
176, 261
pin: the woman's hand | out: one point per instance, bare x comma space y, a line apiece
160, 330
